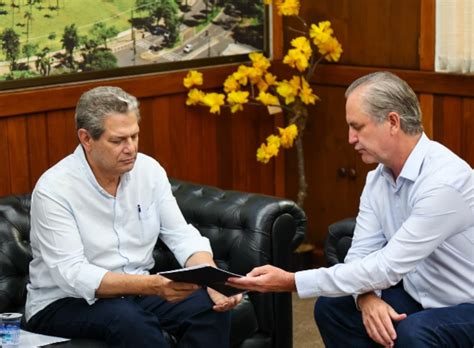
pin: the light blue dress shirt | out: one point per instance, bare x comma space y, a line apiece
419, 228
79, 231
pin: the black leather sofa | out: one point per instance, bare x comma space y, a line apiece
246, 230
338, 241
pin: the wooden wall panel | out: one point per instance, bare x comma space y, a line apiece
37, 146
382, 33
454, 125
60, 134
18, 154
188, 142
448, 117
4, 159
467, 128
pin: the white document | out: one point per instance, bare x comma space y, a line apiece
30, 339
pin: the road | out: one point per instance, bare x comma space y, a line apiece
209, 42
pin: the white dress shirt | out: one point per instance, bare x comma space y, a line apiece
79, 231
419, 228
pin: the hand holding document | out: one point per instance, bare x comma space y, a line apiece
205, 275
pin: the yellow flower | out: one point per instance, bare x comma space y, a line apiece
194, 96
320, 33
288, 135
273, 140
267, 2
270, 79
193, 78
296, 59
255, 75
331, 49
287, 90
267, 99
231, 84
262, 85
265, 152
214, 101
302, 43
295, 82
236, 99
289, 7
259, 61
306, 93
241, 75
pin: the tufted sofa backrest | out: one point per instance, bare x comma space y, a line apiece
15, 251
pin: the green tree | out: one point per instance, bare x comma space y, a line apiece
11, 46
70, 42
103, 33
43, 62
166, 10
29, 50
29, 19
101, 59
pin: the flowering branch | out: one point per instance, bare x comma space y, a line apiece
254, 84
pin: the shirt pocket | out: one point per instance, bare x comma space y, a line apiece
149, 223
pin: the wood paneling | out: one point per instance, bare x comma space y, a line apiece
18, 154
427, 34
381, 33
5, 159
34, 100
420, 81
189, 142
454, 125
37, 146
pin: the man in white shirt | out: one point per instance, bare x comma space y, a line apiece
95, 219
408, 278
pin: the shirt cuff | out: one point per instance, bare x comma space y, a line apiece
305, 283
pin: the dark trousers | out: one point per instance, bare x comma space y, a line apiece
340, 323
136, 321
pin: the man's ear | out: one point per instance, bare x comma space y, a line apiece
394, 121
84, 138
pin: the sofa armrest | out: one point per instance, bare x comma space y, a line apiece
338, 241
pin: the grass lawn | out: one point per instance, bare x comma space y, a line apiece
84, 13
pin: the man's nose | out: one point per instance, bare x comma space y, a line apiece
352, 136
129, 146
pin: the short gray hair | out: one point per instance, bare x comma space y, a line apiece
384, 93
97, 103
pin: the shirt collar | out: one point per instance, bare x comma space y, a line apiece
412, 167
80, 154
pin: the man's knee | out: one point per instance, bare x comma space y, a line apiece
414, 332
326, 307
130, 325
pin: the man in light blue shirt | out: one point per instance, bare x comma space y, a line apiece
95, 219
409, 273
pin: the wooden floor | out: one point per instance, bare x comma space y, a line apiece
305, 332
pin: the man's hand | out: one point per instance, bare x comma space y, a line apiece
172, 291
223, 303
265, 279
377, 317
